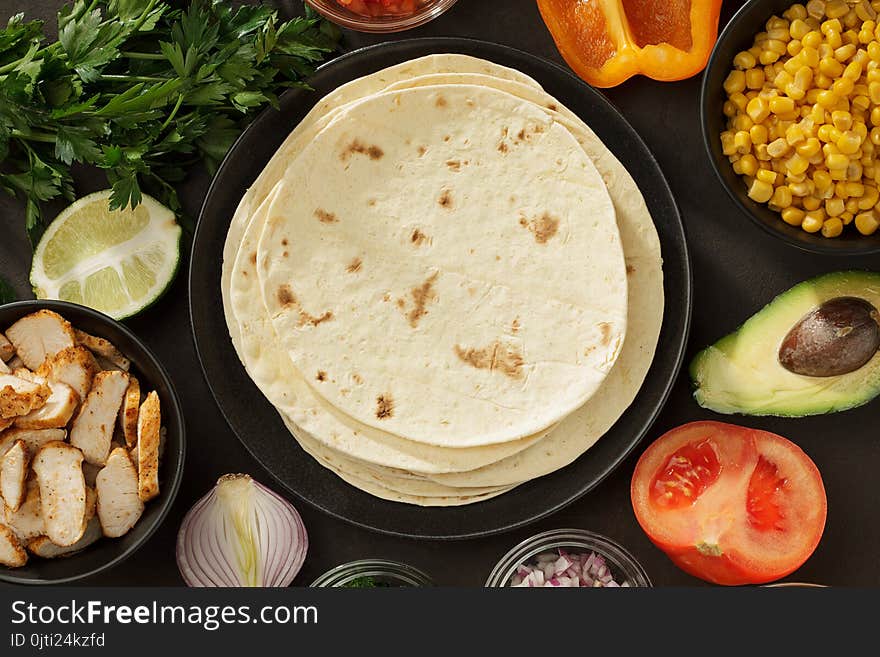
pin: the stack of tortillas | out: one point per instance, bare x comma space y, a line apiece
444, 282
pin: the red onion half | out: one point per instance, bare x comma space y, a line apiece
241, 534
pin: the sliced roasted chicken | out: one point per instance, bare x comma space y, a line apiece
55, 413
11, 552
6, 422
43, 547
148, 433
119, 506
4, 368
75, 366
14, 363
13, 475
27, 522
40, 335
58, 467
19, 396
33, 439
103, 348
92, 429
128, 412
7, 351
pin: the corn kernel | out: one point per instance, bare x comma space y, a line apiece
758, 134
832, 227
757, 109
842, 87
835, 207
781, 105
827, 99
836, 161
822, 180
866, 223
744, 60
802, 189
841, 120
736, 81
849, 143
811, 203
836, 9
855, 189
869, 199
755, 78
793, 216
768, 57
813, 221
742, 142
830, 67
852, 205
846, 218
812, 39
742, 122
766, 175
781, 198
844, 52
760, 191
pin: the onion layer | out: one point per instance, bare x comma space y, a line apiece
241, 534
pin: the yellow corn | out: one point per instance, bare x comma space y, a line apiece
736, 81
866, 223
744, 60
813, 221
758, 110
811, 203
760, 191
793, 216
755, 78
835, 206
832, 227
782, 198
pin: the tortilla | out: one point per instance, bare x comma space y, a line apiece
578, 432
393, 271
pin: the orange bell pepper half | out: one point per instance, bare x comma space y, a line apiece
609, 41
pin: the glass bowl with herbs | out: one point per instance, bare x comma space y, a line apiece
568, 558
380, 15
373, 573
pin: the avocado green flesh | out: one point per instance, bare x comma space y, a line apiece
741, 372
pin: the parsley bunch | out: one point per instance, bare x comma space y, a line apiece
142, 90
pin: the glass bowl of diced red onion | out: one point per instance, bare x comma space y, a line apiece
568, 558
380, 15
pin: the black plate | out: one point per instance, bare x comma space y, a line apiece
256, 422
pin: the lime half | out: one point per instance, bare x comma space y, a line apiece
118, 262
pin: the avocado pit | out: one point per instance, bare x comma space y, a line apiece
837, 338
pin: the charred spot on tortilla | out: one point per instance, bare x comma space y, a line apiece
286, 297
354, 265
358, 147
543, 227
284, 242
441, 101
321, 375
497, 357
384, 407
357, 378
454, 165
422, 150
418, 237
285, 254
306, 318
401, 303
421, 296
254, 258
447, 137
552, 107
445, 199
514, 326
502, 147
386, 297
630, 269
371, 202
325, 217
605, 327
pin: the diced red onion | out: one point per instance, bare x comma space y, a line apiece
564, 569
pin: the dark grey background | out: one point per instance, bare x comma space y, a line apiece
737, 269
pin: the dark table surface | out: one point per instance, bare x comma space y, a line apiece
737, 269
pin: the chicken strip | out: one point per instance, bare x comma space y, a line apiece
56, 412
11, 552
43, 547
19, 396
7, 351
6, 422
4, 368
40, 335
119, 506
75, 366
27, 522
58, 467
92, 429
33, 439
128, 413
148, 427
103, 348
13, 475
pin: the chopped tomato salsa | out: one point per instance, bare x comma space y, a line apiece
377, 8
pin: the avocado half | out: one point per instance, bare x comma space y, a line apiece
741, 372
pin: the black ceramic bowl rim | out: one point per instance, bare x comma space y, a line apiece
175, 413
813, 243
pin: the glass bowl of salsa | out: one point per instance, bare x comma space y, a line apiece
380, 15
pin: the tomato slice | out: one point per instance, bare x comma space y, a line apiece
729, 504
